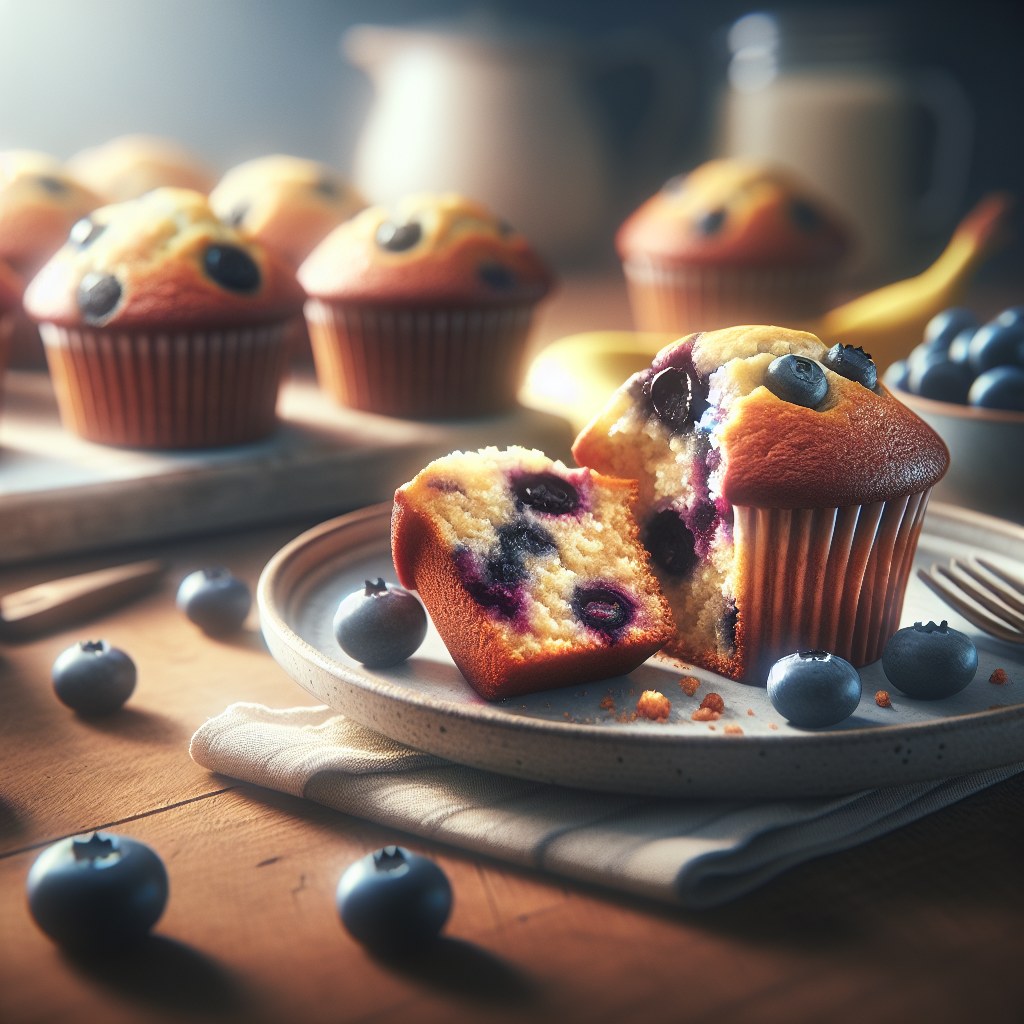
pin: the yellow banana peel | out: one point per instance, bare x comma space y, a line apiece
574, 376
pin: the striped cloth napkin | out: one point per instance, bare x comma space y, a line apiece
692, 853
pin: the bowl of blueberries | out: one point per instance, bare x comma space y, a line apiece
966, 381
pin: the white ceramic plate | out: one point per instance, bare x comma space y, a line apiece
565, 736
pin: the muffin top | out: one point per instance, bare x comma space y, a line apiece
39, 201
735, 213
852, 444
131, 165
162, 260
427, 249
285, 203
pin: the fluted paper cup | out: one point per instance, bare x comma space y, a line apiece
683, 299
6, 333
830, 579
419, 363
188, 389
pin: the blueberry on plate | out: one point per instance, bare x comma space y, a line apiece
796, 379
937, 378
1002, 387
380, 625
945, 326
93, 678
814, 688
929, 662
393, 900
215, 600
97, 891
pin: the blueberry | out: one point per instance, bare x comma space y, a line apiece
1012, 317
515, 542
603, 609
937, 378
545, 492
670, 543
679, 399
327, 189
711, 223
725, 628
496, 276
98, 294
84, 232
853, 363
93, 678
796, 379
232, 268
393, 900
380, 625
97, 892
959, 350
804, 216
929, 662
945, 326
236, 218
1002, 387
897, 376
215, 600
995, 344
54, 186
814, 688
398, 237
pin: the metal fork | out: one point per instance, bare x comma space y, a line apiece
990, 590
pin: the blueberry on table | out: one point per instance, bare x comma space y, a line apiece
380, 625
929, 661
937, 378
215, 600
945, 326
393, 900
814, 688
796, 379
93, 678
852, 362
1002, 387
97, 891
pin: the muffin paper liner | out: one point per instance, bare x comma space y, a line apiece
197, 389
830, 579
419, 363
6, 333
706, 298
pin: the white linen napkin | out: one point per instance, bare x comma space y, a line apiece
693, 853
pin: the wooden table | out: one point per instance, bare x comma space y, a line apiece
923, 924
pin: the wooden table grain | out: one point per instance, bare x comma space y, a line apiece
923, 924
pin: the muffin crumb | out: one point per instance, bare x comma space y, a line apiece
999, 677
714, 702
706, 715
711, 727
689, 684
607, 703
882, 699
772, 725
654, 705
750, 711
733, 730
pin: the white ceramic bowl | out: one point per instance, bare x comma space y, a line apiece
986, 455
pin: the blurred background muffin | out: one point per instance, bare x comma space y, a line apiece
423, 309
164, 327
11, 288
130, 165
285, 202
732, 242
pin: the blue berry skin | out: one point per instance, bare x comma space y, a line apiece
996, 344
796, 379
1002, 387
814, 688
929, 662
937, 378
93, 678
945, 326
380, 625
897, 376
97, 892
232, 268
393, 900
214, 600
959, 350
852, 362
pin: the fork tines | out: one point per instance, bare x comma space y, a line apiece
984, 594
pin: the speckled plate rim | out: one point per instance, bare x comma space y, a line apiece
641, 761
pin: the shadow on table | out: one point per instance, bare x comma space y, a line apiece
137, 725
460, 968
163, 973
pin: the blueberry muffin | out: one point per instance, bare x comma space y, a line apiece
285, 203
782, 490
131, 165
423, 310
532, 572
731, 242
163, 326
11, 288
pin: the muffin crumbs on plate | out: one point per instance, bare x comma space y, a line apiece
882, 699
714, 702
706, 715
689, 684
999, 677
733, 730
654, 705
607, 703
772, 725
